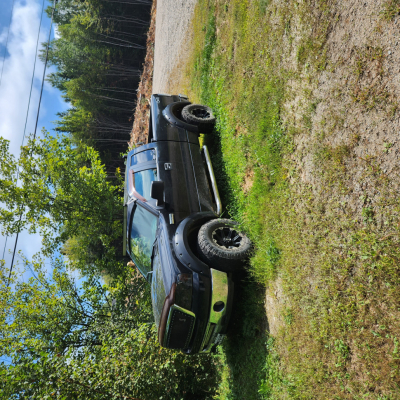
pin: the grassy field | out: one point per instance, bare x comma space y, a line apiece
324, 221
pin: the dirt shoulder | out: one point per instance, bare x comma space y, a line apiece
142, 111
173, 35
343, 106
168, 44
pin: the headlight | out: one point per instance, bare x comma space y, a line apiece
177, 323
183, 295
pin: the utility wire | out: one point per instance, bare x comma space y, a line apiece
44, 69
33, 75
36, 124
5, 245
5, 48
27, 111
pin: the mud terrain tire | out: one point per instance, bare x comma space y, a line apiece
199, 115
222, 246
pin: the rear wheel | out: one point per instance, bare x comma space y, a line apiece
199, 115
222, 246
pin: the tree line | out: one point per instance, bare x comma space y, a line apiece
98, 56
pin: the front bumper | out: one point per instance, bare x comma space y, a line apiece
220, 309
213, 314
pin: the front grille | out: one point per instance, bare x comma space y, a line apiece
179, 328
207, 337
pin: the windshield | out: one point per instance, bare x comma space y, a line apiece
143, 234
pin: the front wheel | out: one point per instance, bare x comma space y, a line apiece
199, 115
222, 246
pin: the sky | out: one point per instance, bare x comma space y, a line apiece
15, 87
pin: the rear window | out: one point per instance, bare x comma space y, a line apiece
144, 156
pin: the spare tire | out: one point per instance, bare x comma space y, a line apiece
222, 246
199, 115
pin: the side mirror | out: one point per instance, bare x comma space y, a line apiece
157, 192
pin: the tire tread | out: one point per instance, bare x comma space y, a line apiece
217, 258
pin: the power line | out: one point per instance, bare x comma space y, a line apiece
5, 48
37, 119
44, 69
5, 245
33, 75
23, 137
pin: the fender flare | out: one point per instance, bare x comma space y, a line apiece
181, 245
170, 112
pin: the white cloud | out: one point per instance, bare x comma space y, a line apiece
17, 74
14, 95
3, 37
56, 32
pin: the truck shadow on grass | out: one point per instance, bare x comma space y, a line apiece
245, 346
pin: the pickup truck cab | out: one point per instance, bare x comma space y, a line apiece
172, 231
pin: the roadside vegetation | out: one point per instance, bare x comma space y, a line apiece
320, 206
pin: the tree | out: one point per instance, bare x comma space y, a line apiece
63, 192
98, 56
90, 342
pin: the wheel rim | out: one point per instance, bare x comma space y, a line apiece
226, 237
200, 113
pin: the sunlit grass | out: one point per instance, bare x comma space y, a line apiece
337, 266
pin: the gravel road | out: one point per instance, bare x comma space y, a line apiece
172, 22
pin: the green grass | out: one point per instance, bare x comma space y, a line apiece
391, 9
244, 352
337, 263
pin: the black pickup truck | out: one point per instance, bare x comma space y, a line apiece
172, 231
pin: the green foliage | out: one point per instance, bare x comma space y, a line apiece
391, 9
90, 342
64, 194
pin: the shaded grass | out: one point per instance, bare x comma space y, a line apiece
336, 263
244, 351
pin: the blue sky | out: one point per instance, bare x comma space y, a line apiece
15, 87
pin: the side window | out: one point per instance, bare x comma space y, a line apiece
142, 237
143, 181
139, 183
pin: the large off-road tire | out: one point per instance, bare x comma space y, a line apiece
201, 116
222, 246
